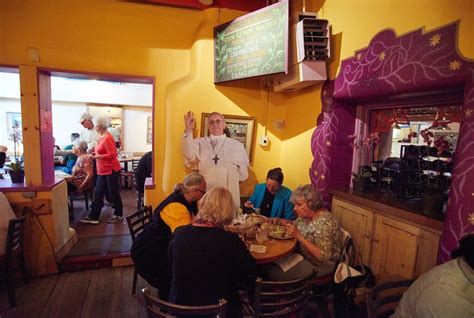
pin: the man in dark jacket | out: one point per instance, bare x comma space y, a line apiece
143, 171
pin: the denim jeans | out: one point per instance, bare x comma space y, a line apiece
111, 183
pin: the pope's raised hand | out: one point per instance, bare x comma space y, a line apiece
189, 122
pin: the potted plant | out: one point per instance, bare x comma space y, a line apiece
16, 169
361, 180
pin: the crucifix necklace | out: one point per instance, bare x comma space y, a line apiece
216, 158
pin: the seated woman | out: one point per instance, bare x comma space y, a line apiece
209, 263
82, 172
150, 249
271, 197
318, 235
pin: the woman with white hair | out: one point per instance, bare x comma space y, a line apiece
108, 173
205, 254
82, 172
318, 235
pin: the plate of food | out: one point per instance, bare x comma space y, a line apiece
255, 219
279, 232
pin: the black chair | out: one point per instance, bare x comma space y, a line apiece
3, 157
14, 257
86, 195
127, 175
136, 223
383, 299
156, 307
281, 299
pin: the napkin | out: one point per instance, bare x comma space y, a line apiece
258, 248
289, 262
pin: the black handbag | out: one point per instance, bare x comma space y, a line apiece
353, 274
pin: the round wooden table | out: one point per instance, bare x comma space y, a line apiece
276, 250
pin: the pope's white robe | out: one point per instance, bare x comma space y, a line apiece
231, 167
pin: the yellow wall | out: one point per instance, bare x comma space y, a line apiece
359, 21
175, 47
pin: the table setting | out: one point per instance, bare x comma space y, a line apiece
266, 238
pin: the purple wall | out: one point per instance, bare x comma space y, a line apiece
391, 65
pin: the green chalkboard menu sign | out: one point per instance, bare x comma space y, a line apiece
252, 45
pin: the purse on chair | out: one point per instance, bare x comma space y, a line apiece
351, 273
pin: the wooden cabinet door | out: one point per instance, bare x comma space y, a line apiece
401, 251
358, 222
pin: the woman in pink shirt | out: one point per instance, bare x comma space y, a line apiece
108, 173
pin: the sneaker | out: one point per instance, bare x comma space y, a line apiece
115, 219
88, 220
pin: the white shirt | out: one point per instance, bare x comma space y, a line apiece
225, 164
446, 290
91, 136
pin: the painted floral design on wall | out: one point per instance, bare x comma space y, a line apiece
392, 65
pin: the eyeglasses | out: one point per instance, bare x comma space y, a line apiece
200, 190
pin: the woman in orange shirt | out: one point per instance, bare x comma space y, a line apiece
108, 173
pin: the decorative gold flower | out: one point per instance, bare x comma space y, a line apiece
468, 112
359, 56
470, 218
323, 177
435, 39
328, 143
454, 65
382, 56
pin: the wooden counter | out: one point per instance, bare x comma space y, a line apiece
408, 210
395, 242
6, 185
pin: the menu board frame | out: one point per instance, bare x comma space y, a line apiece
263, 33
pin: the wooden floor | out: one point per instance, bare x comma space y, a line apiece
94, 293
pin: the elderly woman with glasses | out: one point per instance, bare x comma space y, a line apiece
271, 197
208, 262
318, 235
150, 249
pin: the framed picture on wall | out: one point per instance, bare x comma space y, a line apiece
14, 126
149, 130
240, 128
13, 121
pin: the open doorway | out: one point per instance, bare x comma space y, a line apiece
128, 102
11, 135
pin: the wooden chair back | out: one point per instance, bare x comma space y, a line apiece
383, 299
136, 221
156, 307
281, 299
15, 237
14, 256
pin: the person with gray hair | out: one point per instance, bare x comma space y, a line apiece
223, 161
318, 234
108, 173
150, 249
88, 134
82, 172
205, 254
